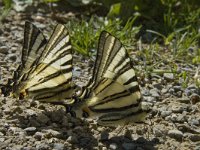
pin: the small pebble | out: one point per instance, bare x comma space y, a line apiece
42, 118
154, 93
58, 146
164, 91
194, 137
51, 133
4, 50
38, 135
168, 76
165, 113
176, 134
11, 57
194, 98
72, 139
42, 146
30, 130
113, 146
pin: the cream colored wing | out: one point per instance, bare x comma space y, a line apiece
113, 94
33, 45
46, 70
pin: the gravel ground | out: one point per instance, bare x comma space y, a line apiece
174, 122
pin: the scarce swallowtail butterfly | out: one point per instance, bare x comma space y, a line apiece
112, 95
45, 73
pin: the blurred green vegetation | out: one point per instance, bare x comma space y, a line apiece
161, 31
84, 35
5, 10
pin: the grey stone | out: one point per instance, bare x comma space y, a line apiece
72, 139
188, 92
165, 113
179, 94
194, 137
197, 147
42, 146
17, 109
164, 91
176, 134
178, 109
145, 92
58, 146
38, 135
113, 146
11, 57
2, 139
177, 88
57, 116
173, 118
191, 86
34, 122
154, 93
42, 118
52, 133
181, 118
168, 76
30, 112
2, 63
158, 86
149, 99
184, 100
129, 146
2, 39
17, 147
194, 121
171, 91
4, 50
30, 130
194, 98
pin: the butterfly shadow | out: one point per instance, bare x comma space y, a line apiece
127, 140
57, 126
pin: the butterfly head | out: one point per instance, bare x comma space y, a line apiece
78, 106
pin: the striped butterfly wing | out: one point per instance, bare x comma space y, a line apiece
33, 45
113, 94
51, 79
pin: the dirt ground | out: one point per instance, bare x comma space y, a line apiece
174, 122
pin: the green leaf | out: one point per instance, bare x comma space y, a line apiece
51, 1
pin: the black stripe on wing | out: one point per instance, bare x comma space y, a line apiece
33, 43
117, 116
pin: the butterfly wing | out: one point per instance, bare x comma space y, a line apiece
113, 94
51, 79
46, 70
33, 45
